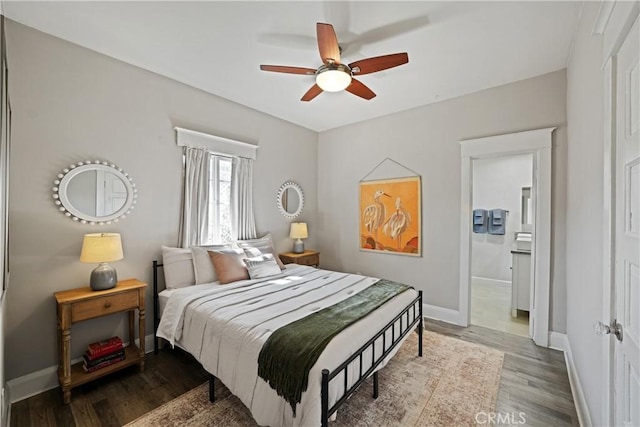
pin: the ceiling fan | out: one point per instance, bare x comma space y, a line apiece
332, 75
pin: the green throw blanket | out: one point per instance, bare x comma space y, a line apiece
289, 353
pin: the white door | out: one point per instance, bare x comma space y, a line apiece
627, 232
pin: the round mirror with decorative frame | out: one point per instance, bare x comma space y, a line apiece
94, 192
290, 200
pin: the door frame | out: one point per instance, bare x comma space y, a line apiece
614, 21
538, 143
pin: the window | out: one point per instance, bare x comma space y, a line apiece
208, 214
220, 200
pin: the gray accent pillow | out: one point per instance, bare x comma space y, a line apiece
263, 244
262, 266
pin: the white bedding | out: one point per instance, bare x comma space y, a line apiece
163, 296
225, 326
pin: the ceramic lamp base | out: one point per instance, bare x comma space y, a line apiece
103, 277
298, 246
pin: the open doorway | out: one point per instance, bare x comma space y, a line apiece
537, 143
501, 291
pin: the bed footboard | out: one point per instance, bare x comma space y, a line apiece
409, 318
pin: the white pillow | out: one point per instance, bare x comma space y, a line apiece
202, 265
262, 266
178, 267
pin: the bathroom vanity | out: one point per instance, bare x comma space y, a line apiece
520, 280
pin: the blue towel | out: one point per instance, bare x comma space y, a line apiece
497, 221
480, 221
496, 217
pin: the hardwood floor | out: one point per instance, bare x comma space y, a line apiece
116, 399
534, 381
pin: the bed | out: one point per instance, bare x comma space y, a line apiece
225, 327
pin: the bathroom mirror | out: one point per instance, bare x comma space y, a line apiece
527, 206
94, 192
290, 200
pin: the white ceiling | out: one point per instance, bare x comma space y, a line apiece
454, 48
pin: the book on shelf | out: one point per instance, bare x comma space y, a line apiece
102, 365
103, 353
95, 360
105, 347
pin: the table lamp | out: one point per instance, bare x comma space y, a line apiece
298, 231
102, 248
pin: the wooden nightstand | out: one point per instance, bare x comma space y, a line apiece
305, 258
76, 305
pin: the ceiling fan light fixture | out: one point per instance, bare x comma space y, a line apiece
333, 78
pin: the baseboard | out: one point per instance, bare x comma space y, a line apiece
491, 282
34, 383
560, 341
443, 314
45, 379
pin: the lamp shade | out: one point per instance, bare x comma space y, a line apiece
333, 80
298, 230
101, 247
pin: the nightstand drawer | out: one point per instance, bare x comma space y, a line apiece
309, 260
306, 258
104, 305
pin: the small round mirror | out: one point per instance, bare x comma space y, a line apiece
94, 193
290, 200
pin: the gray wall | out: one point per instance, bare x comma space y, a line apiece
585, 112
71, 104
498, 183
425, 139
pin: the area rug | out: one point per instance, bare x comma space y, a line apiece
448, 386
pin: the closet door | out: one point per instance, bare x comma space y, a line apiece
627, 232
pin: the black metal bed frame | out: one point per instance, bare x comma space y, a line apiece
156, 305
408, 320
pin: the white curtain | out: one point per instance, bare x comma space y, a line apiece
243, 222
194, 220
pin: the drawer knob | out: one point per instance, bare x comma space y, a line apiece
107, 304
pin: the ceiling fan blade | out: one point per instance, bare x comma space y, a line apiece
288, 70
379, 63
393, 30
328, 43
359, 89
311, 93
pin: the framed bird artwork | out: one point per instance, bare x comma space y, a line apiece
390, 216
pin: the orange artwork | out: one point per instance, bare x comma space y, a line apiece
390, 216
